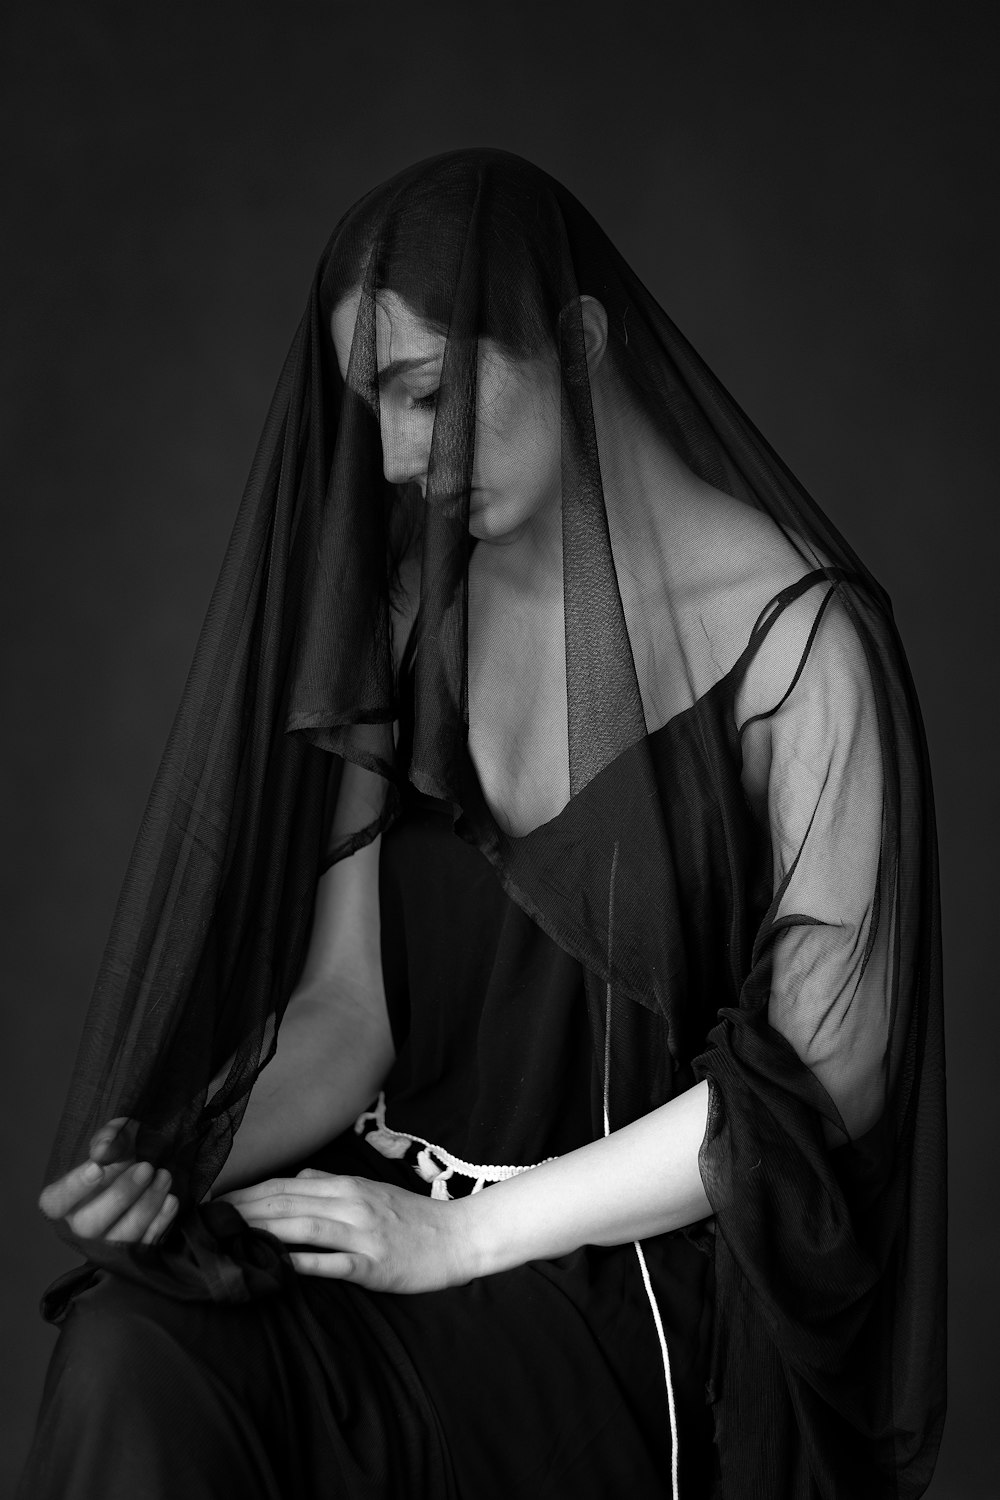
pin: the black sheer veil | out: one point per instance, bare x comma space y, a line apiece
700, 588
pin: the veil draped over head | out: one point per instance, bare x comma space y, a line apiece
696, 760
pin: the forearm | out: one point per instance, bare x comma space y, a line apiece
639, 1181
329, 1064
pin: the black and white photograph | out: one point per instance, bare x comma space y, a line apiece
500, 789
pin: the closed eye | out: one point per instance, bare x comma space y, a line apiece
424, 403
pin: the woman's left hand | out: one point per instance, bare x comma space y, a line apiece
379, 1236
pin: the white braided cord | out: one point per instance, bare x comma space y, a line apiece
479, 1173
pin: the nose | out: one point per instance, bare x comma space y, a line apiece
405, 451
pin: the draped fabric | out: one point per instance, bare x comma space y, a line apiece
595, 555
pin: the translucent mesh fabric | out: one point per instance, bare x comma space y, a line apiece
668, 703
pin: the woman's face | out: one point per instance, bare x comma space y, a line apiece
516, 471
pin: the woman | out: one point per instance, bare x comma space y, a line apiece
546, 840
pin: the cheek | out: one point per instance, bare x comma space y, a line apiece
517, 438
406, 435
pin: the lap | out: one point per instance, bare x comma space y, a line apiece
211, 1399
545, 1381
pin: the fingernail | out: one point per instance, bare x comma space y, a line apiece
142, 1173
169, 1204
93, 1172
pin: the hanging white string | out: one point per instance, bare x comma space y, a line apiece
644, 1269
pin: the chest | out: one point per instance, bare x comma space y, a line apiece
518, 737
517, 684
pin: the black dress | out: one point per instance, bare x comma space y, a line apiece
546, 1380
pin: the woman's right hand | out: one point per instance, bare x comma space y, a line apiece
111, 1196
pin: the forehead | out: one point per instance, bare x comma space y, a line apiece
399, 332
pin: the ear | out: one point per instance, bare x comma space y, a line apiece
595, 330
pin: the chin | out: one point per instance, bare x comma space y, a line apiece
480, 527
482, 517
497, 520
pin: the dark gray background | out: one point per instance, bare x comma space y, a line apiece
807, 189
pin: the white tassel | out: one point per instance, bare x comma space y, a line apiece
427, 1167
387, 1145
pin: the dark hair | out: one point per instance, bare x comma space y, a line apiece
492, 215
418, 226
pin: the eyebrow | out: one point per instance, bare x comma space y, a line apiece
402, 366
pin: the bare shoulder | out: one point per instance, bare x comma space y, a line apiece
727, 561
742, 564
746, 554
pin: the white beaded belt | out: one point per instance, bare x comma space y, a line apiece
432, 1163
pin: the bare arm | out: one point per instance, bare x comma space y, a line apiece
334, 1049
334, 1045
642, 1179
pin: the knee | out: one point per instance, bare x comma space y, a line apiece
126, 1342
147, 1394
106, 1344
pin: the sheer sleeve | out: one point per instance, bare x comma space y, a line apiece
826, 964
793, 1158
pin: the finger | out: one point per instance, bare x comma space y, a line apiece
338, 1265
162, 1221
314, 1232
77, 1187
136, 1220
255, 1190
264, 1211
96, 1217
325, 1185
114, 1141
